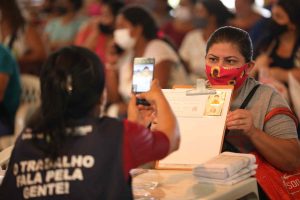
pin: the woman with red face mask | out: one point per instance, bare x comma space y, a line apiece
228, 62
266, 125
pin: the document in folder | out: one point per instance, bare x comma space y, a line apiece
201, 121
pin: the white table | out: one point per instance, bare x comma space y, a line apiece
180, 185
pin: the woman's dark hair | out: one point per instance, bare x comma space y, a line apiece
292, 8
72, 80
11, 12
273, 30
114, 6
217, 8
140, 16
235, 36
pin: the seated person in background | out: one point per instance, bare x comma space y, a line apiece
71, 150
278, 52
209, 15
161, 12
97, 33
245, 15
182, 22
10, 91
21, 37
230, 49
62, 30
136, 33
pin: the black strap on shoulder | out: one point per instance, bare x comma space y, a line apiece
227, 146
249, 97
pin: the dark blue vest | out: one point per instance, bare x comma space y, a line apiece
90, 166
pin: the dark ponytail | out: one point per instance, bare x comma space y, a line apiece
72, 80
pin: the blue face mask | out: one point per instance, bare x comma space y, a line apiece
200, 22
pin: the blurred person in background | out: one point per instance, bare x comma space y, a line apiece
161, 12
136, 33
181, 24
268, 4
92, 7
209, 15
279, 51
10, 91
245, 15
47, 12
160, 9
71, 135
61, 31
261, 26
21, 38
97, 33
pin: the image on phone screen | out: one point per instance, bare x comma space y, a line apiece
142, 74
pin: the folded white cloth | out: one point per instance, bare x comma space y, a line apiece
229, 181
225, 165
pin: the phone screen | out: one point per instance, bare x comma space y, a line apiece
142, 74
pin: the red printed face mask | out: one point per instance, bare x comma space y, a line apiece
226, 75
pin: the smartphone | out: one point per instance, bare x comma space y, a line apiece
142, 77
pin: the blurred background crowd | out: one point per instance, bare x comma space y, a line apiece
174, 32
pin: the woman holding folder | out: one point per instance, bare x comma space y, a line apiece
266, 125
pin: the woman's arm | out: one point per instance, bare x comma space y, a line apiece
296, 73
37, 50
284, 154
281, 153
166, 120
282, 74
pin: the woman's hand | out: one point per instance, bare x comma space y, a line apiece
140, 114
240, 119
144, 114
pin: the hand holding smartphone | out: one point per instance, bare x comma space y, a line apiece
142, 77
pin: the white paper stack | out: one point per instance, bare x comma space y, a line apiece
227, 168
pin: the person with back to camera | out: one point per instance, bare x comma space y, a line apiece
70, 151
230, 50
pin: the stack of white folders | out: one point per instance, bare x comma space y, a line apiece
227, 168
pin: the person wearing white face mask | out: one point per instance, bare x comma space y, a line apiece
182, 22
208, 16
136, 33
123, 39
